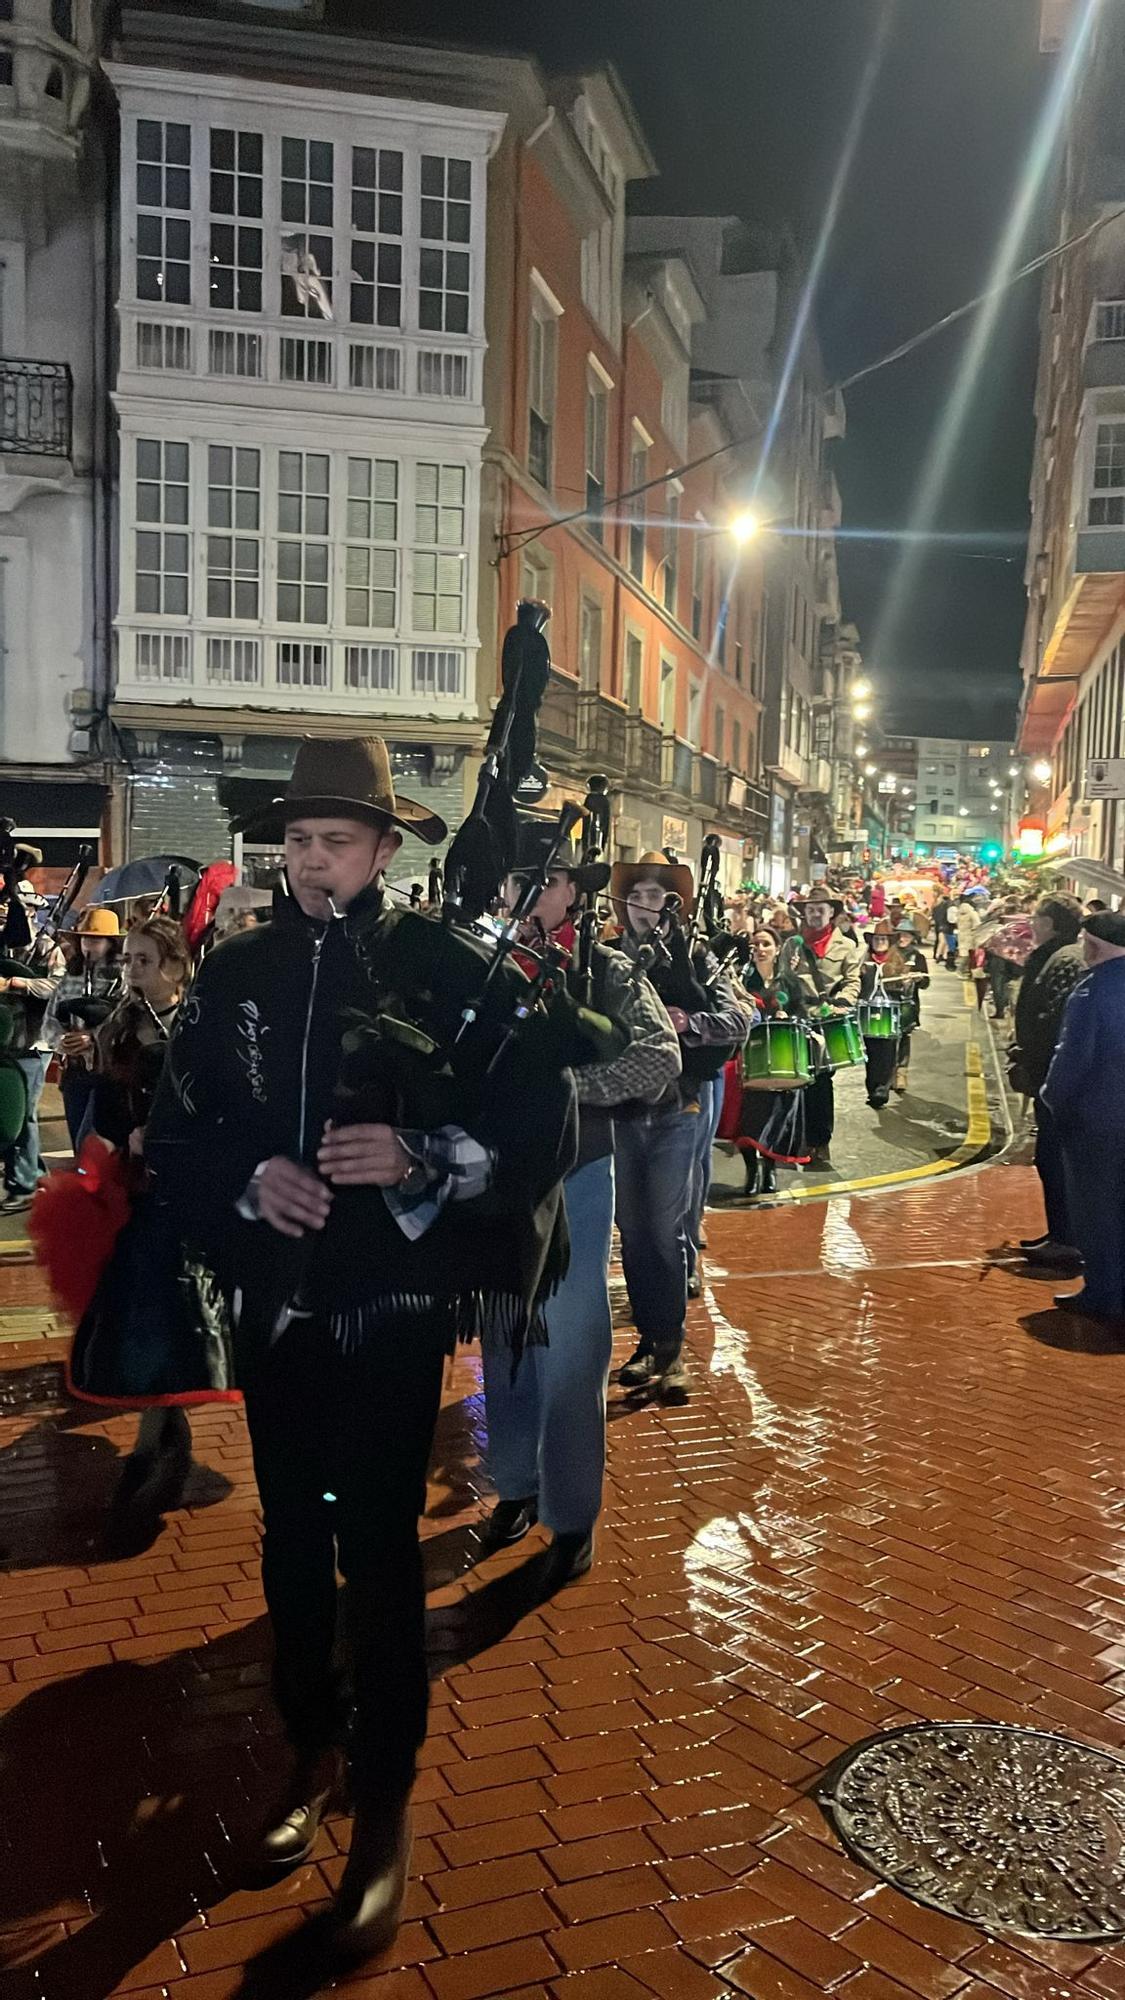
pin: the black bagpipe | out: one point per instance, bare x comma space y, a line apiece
458, 1018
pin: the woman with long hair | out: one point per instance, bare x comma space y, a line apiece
768, 1129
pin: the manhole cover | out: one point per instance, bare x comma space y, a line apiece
1011, 1829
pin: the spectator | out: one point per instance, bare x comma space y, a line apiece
1085, 1094
84, 998
1050, 975
26, 992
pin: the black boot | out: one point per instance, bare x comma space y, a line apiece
769, 1177
291, 1834
751, 1163
368, 1906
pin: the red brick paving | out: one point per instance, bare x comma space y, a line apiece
888, 1500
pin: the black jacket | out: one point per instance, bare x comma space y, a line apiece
1050, 975
272, 1043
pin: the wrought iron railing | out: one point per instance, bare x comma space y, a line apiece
35, 408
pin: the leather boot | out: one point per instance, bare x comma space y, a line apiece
368, 1906
750, 1162
769, 1177
290, 1837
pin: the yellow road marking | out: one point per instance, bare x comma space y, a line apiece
977, 1136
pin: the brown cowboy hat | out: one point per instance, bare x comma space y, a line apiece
342, 777
881, 929
653, 867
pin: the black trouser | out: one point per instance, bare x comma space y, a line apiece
820, 1110
882, 1057
77, 1086
1052, 1173
341, 1444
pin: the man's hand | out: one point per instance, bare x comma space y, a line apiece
678, 1019
363, 1156
291, 1198
75, 1042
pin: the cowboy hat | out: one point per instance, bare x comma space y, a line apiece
96, 922
342, 777
673, 876
835, 903
882, 929
906, 923
537, 836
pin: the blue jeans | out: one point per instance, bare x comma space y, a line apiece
710, 1112
23, 1162
546, 1428
656, 1160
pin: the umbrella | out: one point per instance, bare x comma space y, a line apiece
145, 878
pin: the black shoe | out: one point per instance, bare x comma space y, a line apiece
639, 1370
368, 1906
820, 1156
1053, 1256
695, 1286
152, 1482
752, 1169
509, 1522
879, 1100
1075, 1302
1035, 1242
568, 1558
769, 1177
290, 1838
674, 1385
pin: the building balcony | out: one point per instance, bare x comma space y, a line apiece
1103, 360
642, 751
602, 733
35, 411
705, 781
231, 354
818, 782
558, 717
241, 669
676, 760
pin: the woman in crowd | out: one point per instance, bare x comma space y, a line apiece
83, 999
769, 1127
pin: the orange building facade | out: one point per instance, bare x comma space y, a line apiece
657, 623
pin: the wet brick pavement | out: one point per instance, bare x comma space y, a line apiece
891, 1498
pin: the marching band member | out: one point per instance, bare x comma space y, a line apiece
658, 1144
915, 982
881, 966
357, 1253
546, 1422
824, 965
769, 1126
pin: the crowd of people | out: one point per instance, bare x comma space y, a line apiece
306, 1196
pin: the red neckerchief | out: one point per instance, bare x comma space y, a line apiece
818, 943
565, 937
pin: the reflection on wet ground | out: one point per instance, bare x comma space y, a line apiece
895, 1496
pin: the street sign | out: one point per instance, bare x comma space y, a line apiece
1105, 778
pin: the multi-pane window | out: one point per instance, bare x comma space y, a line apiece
445, 225
234, 508
439, 548
720, 733
638, 507
1107, 501
697, 558
671, 552
302, 537
376, 253
542, 362
306, 228
736, 746
162, 545
597, 403
235, 273
634, 669
163, 211
590, 642
371, 555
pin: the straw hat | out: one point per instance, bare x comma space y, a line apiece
98, 922
674, 877
343, 777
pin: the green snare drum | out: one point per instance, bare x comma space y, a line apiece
843, 1043
880, 1019
776, 1057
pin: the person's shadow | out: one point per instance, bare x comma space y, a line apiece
1071, 1333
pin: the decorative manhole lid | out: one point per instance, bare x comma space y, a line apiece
1011, 1829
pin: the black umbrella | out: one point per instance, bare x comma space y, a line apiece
146, 877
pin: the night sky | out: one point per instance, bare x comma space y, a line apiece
745, 104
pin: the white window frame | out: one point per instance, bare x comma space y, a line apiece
440, 555
166, 528
598, 390
243, 533
371, 556
633, 697
311, 565
638, 505
242, 219
542, 377
1107, 474
591, 641
306, 293
384, 199
166, 220
444, 254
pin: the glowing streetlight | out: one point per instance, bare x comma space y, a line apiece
863, 711
746, 527
861, 749
869, 770
1013, 770
964, 814
862, 690
1041, 772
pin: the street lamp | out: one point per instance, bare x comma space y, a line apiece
862, 711
1041, 772
862, 690
746, 527
869, 770
1013, 770
964, 814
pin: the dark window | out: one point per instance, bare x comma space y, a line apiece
55, 84
62, 19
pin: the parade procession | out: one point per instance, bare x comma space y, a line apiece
562, 1001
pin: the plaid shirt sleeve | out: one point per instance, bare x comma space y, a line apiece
454, 1167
